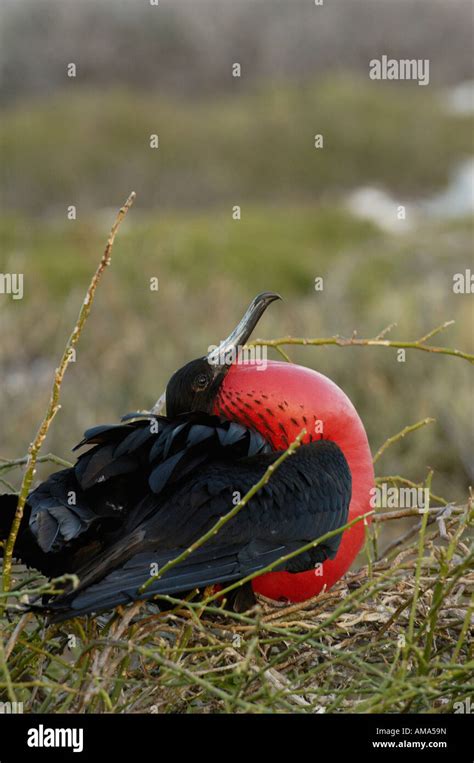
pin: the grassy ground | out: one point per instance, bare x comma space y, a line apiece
391, 637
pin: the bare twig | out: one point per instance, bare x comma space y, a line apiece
10, 463
400, 435
421, 553
54, 406
416, 511
377, 341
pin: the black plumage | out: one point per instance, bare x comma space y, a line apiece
138, 497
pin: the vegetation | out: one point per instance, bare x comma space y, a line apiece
79, 146
391, 637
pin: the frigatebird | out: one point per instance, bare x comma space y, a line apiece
150, 486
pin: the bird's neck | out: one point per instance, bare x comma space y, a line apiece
279, 402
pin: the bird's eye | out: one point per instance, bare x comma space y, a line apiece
200, 381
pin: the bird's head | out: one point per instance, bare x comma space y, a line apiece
195, 386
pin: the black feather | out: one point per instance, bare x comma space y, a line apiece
139, 495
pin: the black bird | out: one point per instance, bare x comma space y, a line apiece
145, 489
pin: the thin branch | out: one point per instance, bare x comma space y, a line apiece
54, 405
386, 331
377, 341
10, 463
284, 354
396, 437
415, 511
405, 537
49, 587
464, 630
7, 484
421, 554
433, 332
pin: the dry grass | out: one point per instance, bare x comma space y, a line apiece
390, 637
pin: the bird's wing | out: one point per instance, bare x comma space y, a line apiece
306, 497
126, 472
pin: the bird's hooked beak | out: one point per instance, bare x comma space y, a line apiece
226, 352
219, 359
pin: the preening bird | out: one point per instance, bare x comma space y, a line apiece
147, 488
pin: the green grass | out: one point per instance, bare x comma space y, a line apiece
193, 248
80, 146
392, 637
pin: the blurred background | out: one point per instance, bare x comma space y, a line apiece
306, 212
